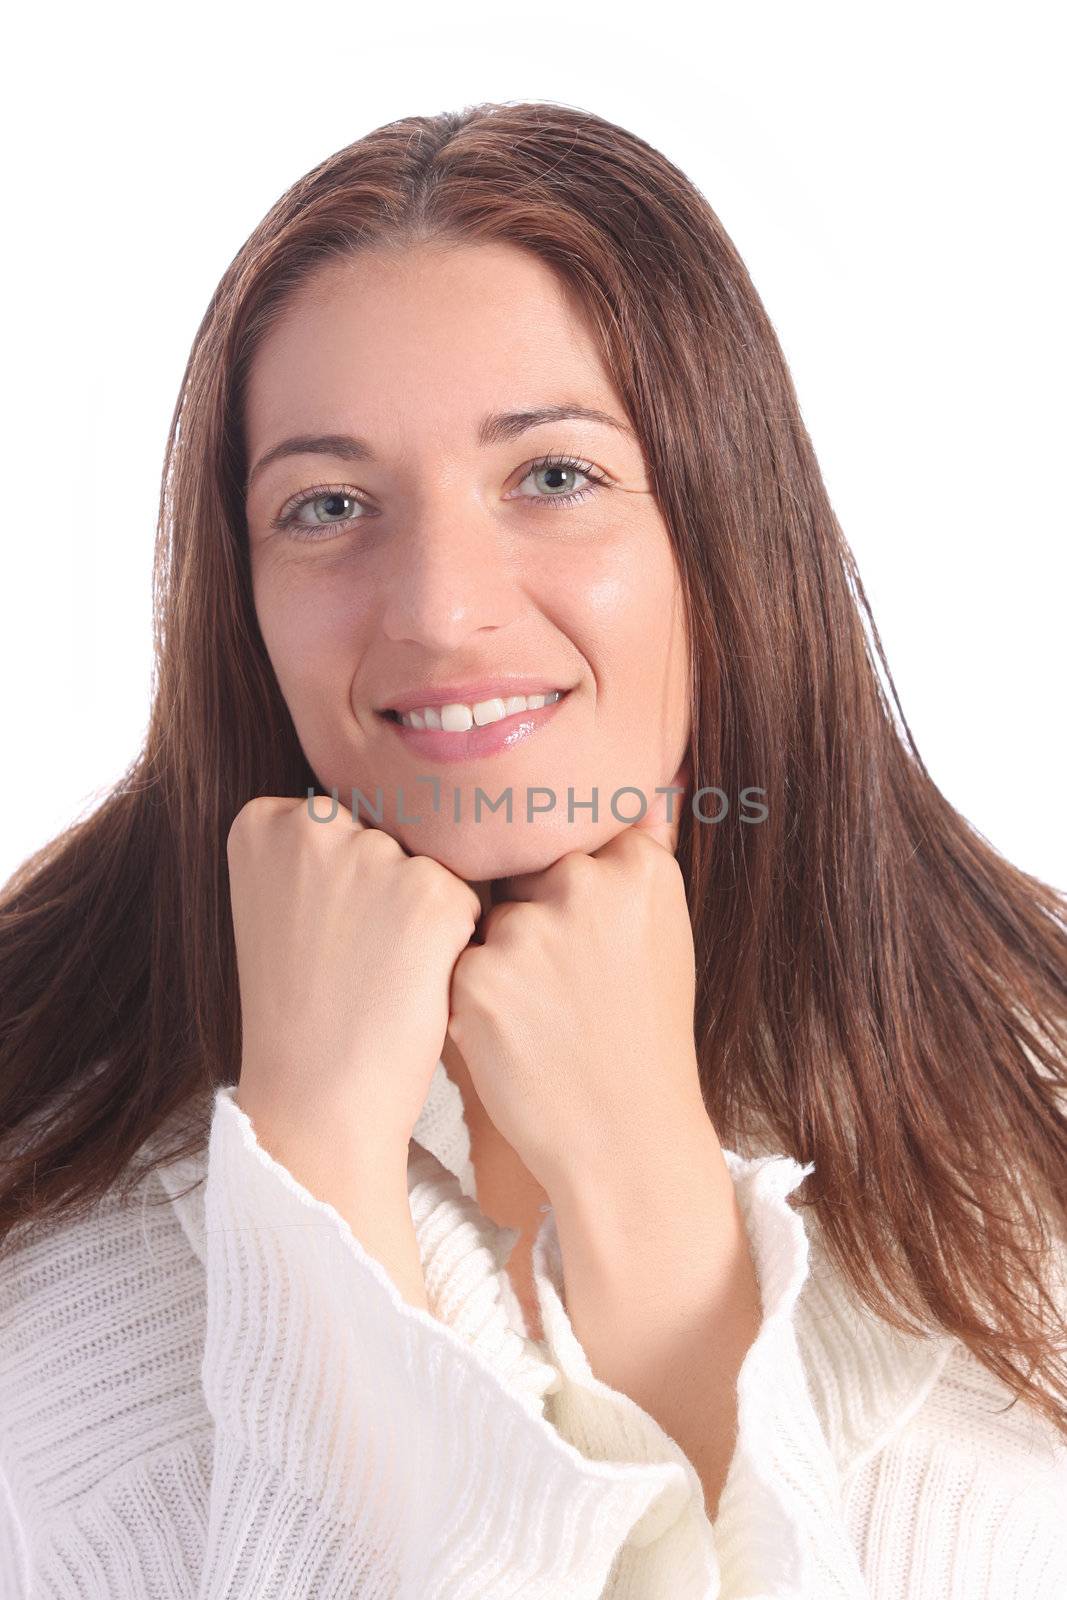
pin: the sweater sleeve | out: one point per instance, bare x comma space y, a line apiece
780, 1528
363, 1446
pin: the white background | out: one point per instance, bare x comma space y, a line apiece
892, 176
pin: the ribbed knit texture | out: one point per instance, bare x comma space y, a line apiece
213, 1392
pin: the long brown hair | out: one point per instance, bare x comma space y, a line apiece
878, 990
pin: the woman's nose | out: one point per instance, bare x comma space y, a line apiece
451, 577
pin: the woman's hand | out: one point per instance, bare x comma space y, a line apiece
575, 1015
345, 950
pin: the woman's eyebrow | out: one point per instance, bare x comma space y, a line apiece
496, 428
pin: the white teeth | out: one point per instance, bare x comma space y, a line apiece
488, 711
457, 718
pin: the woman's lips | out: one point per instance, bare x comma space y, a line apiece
435, 745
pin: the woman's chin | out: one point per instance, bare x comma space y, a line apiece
476, 860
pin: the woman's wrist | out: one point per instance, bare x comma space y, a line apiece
364, 1179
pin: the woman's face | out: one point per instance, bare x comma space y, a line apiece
437, 553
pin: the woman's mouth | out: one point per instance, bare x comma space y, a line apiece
458, 732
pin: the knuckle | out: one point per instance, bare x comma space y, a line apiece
500, 919
574, 866
428, 874
376, 844
646, 855
651, 856
253, 815
436, 880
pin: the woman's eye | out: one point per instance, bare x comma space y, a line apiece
336, 514
332, 509
554, 468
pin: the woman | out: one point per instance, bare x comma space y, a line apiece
606, 1198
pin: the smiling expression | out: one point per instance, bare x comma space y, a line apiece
409, 538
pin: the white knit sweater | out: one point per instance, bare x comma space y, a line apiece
215, 1393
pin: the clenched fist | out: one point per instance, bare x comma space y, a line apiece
345, 950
